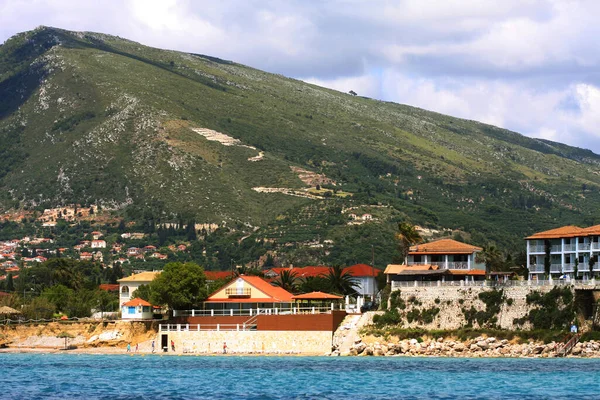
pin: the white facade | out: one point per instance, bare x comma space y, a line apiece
138, 311
569, 257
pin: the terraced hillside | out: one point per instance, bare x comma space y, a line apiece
90, 118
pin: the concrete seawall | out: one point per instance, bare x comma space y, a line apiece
249, 342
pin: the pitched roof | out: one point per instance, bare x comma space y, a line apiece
362, 270
215, 275
592, 230
137, 302
321, 270
275, 294
109, 287
146, 276
401, 268
562, 232
443, 246
317, 296
469, 272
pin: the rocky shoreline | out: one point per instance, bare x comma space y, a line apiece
479, 347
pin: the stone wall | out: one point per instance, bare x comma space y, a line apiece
250, 342
452, 300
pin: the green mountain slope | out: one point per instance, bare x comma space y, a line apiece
91, 118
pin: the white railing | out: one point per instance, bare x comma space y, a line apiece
595, 246
596, 267
583, 246
568, 268
205, 327
569, 247
444, 264
398, 285
535, 268
255, 311
537, 248
555, 268
585, 267
556, 248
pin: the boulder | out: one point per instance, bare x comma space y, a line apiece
483, 344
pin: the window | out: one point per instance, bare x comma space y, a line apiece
130, 310
125, 290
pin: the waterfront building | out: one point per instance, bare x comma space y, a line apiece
441, 260
568, 252
136, 309
130, 284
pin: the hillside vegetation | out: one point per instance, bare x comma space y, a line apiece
88, 118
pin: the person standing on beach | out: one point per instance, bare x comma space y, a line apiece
136, 347
129, 347
153, 346
172, 345
224, 347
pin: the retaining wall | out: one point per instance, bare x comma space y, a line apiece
250, 342
451, 301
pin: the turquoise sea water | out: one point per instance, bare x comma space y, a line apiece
63, 376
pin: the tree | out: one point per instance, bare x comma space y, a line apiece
59, 295
352, 92
180, 286
341, 282
407, 236
287, 281
492, 257
142, 292
106, 301
10, 285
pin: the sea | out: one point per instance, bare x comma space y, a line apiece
139, 376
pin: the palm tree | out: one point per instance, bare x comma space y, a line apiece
287, 281
407, 236
341, 282
493, 258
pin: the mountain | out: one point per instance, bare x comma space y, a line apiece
88, 118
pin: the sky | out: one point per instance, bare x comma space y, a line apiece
531, 66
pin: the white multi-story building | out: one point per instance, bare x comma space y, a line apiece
571, 251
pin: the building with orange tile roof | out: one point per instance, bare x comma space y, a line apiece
131, 283
136, 309
365, 276
568, 251
440, 260
249, 292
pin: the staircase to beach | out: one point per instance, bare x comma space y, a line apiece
567, 346
347, 333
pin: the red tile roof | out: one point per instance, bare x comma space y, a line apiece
216, 275
362, 270
317, 296
109, 287
321, 270
562, 232
275, 294
443, 246
137, 302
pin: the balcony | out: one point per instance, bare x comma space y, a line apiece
556, 248
555, 268
595, 246
568, 268
569, 247
539, 248
585, 267
238, 293
583, 246
539, 268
